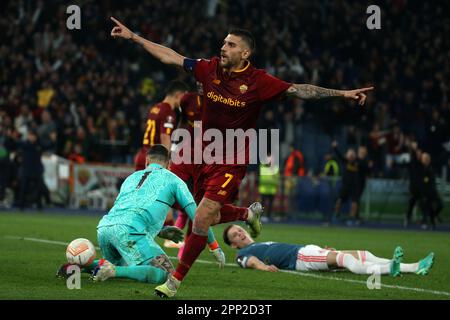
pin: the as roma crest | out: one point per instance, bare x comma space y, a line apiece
243, 88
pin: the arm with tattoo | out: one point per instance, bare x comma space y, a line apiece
308, 91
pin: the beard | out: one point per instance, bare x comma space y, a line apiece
226, 62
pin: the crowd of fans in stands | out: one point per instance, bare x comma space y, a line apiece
86, 96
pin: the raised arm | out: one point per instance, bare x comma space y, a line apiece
308, 91
163, 54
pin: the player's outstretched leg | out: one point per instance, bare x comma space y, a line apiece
351, 263
251, 216
396, 261
207, 212
368, 256
254, 218
62, 270
425, 264
169, 288
141, 273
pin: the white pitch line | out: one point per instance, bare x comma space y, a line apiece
303, 274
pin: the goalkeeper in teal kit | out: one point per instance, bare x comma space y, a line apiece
126, 234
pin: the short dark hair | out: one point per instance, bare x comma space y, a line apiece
158, 152
175, 86
225, 234
246, 35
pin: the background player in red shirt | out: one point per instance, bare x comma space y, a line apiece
161, 121
234, 92
191, 110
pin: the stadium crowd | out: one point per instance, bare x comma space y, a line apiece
86, 97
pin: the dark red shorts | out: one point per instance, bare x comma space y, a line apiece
218, 182
139, 159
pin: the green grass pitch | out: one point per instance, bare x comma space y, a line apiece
28, 267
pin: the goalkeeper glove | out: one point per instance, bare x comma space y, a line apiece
171, 233
217, 253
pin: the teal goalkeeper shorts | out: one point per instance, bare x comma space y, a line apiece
123, 245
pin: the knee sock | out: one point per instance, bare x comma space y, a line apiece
189, 230
181, 220
409, 267
366, 256
194, 245
230, 213
369, 257
142, 273
354, 265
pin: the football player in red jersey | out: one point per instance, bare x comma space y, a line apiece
234, 92
161, 121
191, 111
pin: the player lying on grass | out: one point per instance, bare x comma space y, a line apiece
272, 256
126, 234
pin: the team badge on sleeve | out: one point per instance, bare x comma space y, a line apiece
242, 261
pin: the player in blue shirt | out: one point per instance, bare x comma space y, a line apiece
272, 256
126, 234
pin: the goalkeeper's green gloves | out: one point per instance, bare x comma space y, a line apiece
217, 253
171, 233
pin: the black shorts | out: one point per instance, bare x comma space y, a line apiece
351, 192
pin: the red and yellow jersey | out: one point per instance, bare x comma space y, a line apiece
233, 100
161, 119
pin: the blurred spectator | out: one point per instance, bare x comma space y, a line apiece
395, 151
431, 201
83, 76
295, 164
45, 94
76, 155
331, 167
364, 167
4, 159
78, 145
350, 185
32, 185
376, 148
269, 179
436, 137
294, 168
47, 133
415, 176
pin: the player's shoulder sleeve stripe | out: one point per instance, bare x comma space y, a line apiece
242, 261
166, 203
189, 64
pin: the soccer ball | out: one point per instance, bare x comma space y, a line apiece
81, 252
